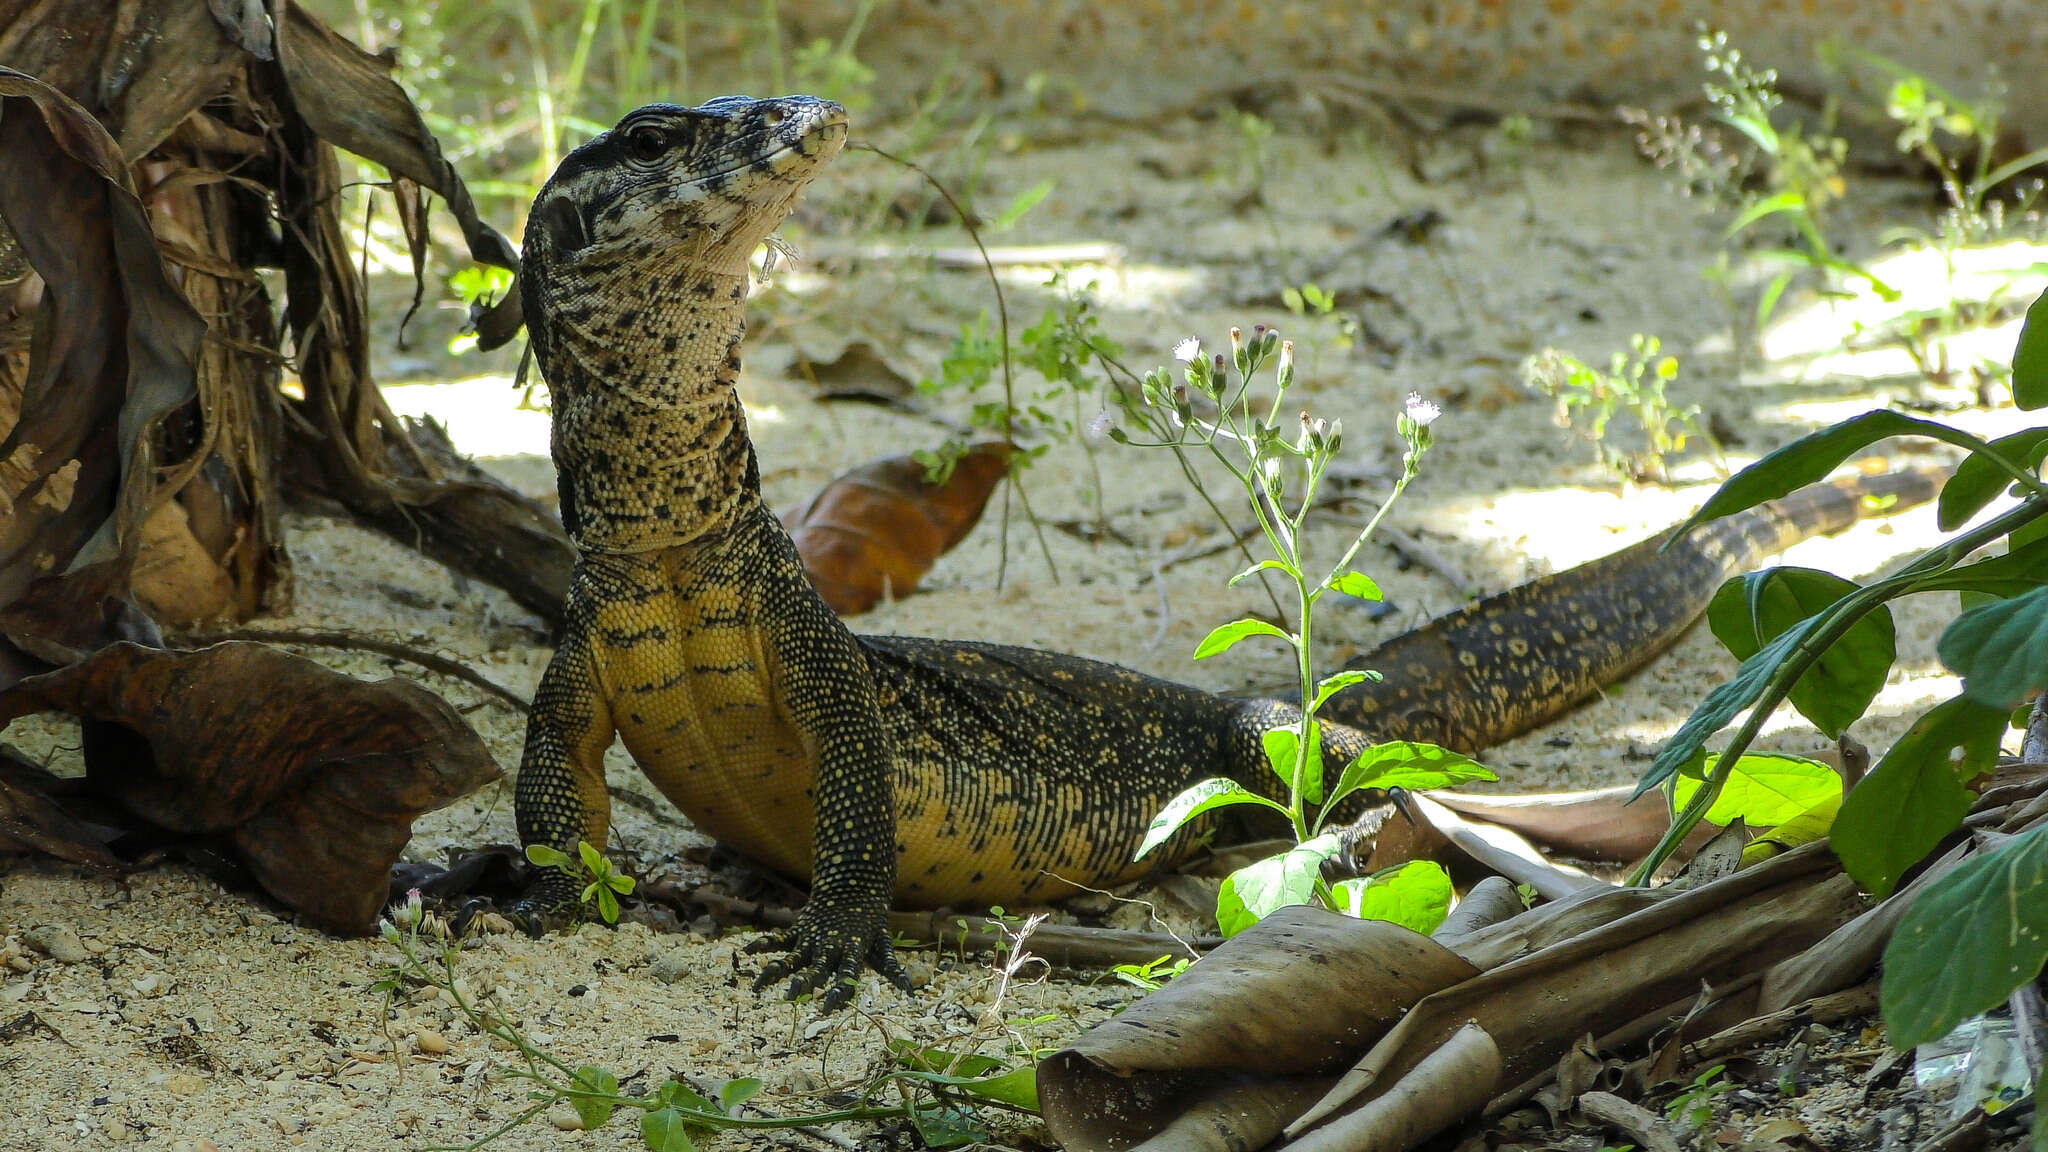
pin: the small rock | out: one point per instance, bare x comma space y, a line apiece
669, 966
151, 984
183, 1084
431, 1043
564, 1117
920, 973
57, 942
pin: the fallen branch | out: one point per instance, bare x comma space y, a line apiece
351, 641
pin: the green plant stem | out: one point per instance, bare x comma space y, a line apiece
1839, 618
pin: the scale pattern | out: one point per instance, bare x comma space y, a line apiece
927, 772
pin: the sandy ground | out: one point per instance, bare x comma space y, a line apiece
183, 1016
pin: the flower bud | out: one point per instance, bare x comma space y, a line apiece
1286, 364
1238, 355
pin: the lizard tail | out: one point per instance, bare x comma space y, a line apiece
1512, 662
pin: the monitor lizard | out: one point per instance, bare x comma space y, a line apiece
880, 768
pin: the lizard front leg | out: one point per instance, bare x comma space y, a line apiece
561, 796
829, 691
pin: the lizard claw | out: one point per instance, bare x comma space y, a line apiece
825, 955
549, 901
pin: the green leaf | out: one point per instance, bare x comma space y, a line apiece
1749, 611
1764, 790
1977, 481
665, 1130
2023, 568
2000, 650
1739, 692
1808, 460
1215, 792
621, 883
1312, 766
545, 857
1018, 1087
1356, 584
1407, 764
2030, 358
1338, 681
947, 1127
1025, 201
607, 904
1971, 938
1764, 208
1255, 890
1255, 569
1915, 795
593, 860
737, 1091
676, 1094
590, 1083
1280, 747
1229, 634
1417, 896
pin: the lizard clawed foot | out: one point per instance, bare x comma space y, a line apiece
550, 901
826, 952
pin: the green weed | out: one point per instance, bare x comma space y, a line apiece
1694, 1106
1279, 474
1635, 383
603, 883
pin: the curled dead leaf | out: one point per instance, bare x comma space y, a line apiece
875, 530
314, 776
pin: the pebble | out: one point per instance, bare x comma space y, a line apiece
431, 1043
564, 1117
183, 1084
669, 966
151, 984
57, 942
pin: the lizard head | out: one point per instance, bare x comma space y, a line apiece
672, 186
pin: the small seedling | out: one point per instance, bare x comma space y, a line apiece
604, 884
1153, 973
1694, 1106
1634, 382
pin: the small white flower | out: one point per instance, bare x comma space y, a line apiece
1187, 350
1423, 412
1099, 426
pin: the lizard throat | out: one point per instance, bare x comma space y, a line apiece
650, 442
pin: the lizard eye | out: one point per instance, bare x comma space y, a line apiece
648, 142
772, 117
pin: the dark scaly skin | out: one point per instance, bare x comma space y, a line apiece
926, 772
1516, 661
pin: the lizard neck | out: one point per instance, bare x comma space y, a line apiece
650, 442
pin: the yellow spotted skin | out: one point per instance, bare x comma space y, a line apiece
894, 769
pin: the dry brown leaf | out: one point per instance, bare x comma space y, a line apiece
876, 530
314, 776
115, 353
1600, 824
1325, 986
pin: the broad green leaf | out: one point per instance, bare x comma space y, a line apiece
1215, 792
1356, 584
736, 1092
1255, 890
621, 884
1338, 681
545, 857
2030, 358
1017, 1087
593, 860
1417, 896
1977, 481
1915, 795
592, 1082
676, 1094
2000, 650
607, 904
1808, 460
1804, 828
1749, 611
1764, 789
665, 1130
1257, 568
1408, 764
1280, 748
933, 1058
1229, 634
1971, 938
1739, 692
